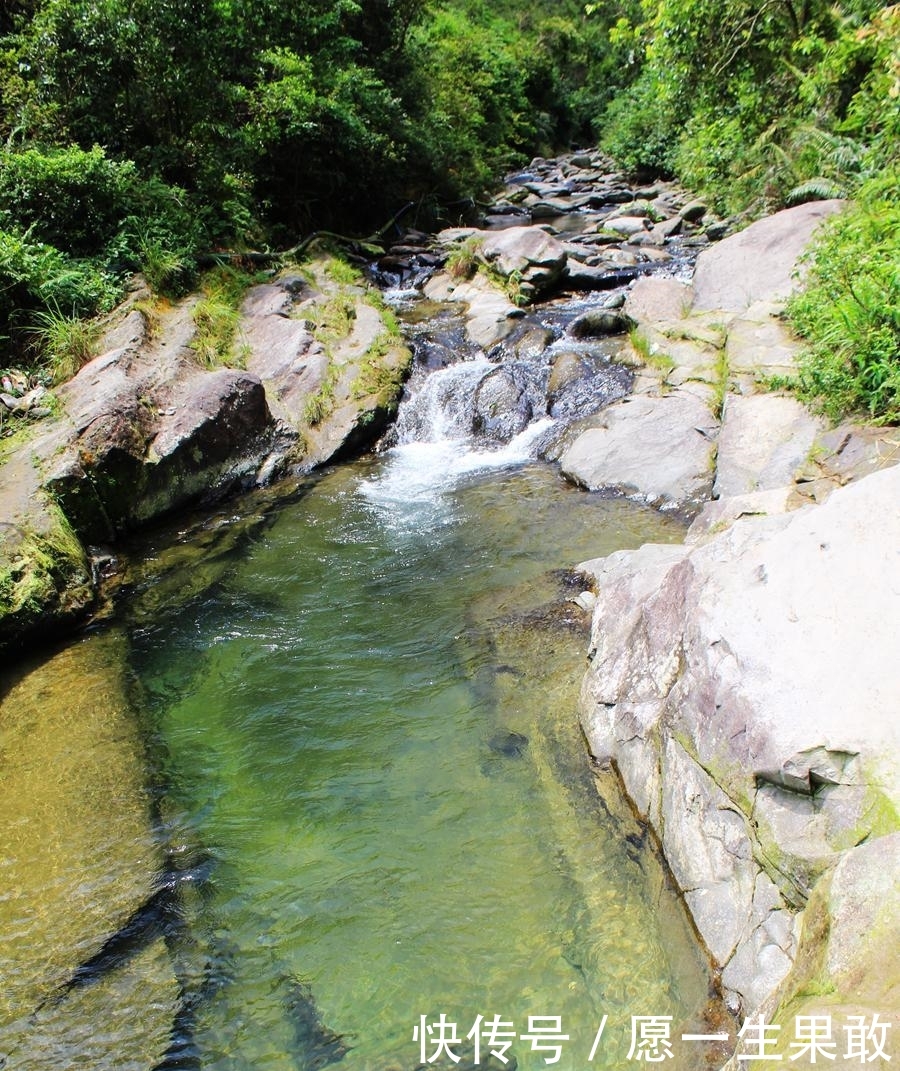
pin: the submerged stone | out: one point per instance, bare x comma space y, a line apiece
80, 859
508, 743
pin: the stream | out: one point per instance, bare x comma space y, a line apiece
358, 725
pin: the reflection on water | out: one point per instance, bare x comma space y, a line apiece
374, 734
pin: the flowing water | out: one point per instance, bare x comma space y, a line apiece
360, 730
371, 726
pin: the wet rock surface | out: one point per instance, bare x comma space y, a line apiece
80, 859
146, 428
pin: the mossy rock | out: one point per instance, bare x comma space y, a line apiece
45, 578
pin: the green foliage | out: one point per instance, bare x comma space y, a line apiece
65, 197
376, 376
167, 272
849, 311
334, 319
320, 405
760, 105
65, 343
638, 131
217, 317
343, 273
36, 276
462, 263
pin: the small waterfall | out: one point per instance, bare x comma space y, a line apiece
436, 444
439, 405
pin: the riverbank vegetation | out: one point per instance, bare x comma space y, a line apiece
150, 134
761, 105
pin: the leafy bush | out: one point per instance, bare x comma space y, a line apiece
638, 131
34, 275
65, 343
849, 310
69, 198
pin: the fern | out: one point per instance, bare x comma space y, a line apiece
816, 189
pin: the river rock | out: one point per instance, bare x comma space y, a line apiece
661, 449
490, 314
758, 263
654, 298
581, 383
567, 367
135, 462
80, 857
599, 322
693, 211
536, 257
764, 441
500, 409
627, 225
726, 684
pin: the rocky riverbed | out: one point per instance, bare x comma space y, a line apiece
741, 684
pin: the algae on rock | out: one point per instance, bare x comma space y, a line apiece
81, 857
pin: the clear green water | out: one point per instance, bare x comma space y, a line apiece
328, 722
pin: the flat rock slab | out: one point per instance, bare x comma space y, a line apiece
765, 440
721, 513
653, 298
800, 602
758, 263
759, 342
659, 448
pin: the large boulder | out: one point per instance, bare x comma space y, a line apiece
526, 253
80, 860
149, 427
741, 687
655, 298
757, 263
660, 449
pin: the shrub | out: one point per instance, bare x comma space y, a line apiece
638, 130
34, 275
68, 198
849, 310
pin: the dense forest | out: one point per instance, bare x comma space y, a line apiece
147, 134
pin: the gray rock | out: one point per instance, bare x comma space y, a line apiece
599, 322
500, 409
742, 691
566, 368
627, 225
846, 966
654, 298
661, 449
665, 229
535, 256
693, 211
764, 442
757, 263
759, 342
